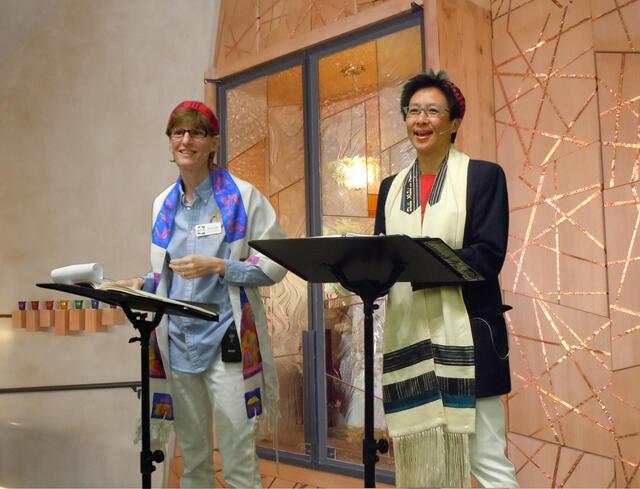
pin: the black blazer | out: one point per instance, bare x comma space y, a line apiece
484, 248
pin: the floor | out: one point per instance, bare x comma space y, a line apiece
282, 476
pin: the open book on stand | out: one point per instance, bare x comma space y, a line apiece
90, 275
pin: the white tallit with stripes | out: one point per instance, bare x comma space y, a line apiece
429, 373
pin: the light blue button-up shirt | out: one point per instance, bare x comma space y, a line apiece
193, 343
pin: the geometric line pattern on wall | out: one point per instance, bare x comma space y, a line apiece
619, 100
565, 393
568, 136
562, 376
275, 22
615, 25
546, 117
544, 464
622, 213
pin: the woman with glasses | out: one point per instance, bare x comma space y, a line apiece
201, 228
446, 348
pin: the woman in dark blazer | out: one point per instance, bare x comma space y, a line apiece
446, 348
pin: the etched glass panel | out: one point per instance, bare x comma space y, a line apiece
363, 139
266, 147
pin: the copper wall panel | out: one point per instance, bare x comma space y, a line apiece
561, 141
561, 366
626, 415
622, 217
543, 464
615, 25
619, 101
553, 111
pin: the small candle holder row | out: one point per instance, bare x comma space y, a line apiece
63, 320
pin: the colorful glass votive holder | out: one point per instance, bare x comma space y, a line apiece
95, 304
22, 305
64, 305
35, 305
78, 303
49, 305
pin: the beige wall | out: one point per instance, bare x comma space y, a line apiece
85, 91
85, 96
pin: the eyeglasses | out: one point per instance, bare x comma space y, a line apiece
432, 111
193, 133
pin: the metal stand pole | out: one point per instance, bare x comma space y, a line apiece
144, 327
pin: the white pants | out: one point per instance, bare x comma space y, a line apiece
489, 463
218, 390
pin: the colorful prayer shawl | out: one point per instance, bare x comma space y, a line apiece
428, 367
238, 201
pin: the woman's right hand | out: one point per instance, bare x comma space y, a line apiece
134, 283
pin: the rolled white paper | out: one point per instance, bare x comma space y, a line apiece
72, 274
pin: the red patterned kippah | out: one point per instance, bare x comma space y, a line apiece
200, 107
457, 94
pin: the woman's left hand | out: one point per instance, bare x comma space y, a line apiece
196, 266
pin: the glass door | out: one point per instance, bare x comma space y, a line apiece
264, 144
363, 139
316, 133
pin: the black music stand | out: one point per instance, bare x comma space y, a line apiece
132, 305
369, 266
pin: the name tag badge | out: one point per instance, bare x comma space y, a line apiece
208, 229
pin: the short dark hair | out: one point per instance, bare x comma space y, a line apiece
436, 80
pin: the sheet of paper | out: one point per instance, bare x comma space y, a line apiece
83, 272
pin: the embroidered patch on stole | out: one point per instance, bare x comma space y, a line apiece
251, 359
156, 369
253, 401
161, 407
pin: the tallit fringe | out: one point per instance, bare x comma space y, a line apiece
432, 458
159, 431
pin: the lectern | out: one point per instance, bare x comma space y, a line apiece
369, 266
132, 305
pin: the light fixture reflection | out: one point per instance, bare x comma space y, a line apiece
355, 172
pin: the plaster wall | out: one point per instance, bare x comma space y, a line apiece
85, 92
